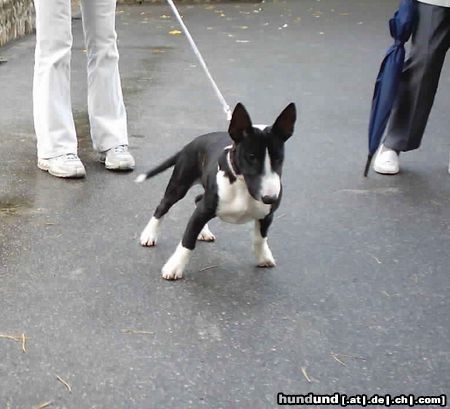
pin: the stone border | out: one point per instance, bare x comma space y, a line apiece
16, 19
187, 1
17, 16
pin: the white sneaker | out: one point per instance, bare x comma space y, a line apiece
118, 158
64, 166
386, 161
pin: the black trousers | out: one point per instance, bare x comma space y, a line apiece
420, 78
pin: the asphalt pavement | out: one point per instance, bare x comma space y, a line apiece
359, 300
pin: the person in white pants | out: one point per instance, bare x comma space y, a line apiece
52, 110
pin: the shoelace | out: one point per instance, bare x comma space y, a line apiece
121, 148
71, 156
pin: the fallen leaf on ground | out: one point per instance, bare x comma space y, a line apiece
44, 405
65, 383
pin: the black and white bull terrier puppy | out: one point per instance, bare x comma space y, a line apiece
241, 174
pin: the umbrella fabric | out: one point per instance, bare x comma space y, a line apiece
388, 80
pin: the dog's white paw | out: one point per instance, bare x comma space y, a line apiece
169, 272
264, 257
174, 267
149, 235
267, 263
147, 239
206, 235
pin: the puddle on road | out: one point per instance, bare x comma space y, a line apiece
18, 206
14, 207
378, 190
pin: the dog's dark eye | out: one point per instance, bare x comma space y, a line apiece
277, 162
251, 157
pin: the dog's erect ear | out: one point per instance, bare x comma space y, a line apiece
284, 125
240, 124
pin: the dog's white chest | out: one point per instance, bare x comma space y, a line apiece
235, 203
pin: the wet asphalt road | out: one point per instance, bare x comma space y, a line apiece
359, 300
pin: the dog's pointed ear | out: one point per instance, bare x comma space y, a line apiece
240, 124
284, 125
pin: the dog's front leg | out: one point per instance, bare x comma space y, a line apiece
263, 254
205, 234
149, 235
174, 267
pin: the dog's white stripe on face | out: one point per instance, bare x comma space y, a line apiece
261, 127
270, 183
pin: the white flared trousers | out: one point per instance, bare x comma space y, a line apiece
52, 109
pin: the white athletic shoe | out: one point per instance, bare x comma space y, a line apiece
64, 166
118, 158
386, 161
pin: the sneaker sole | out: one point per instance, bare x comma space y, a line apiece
119, 166
77, 174
385, 172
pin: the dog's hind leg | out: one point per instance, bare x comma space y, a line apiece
175, 191
174, 267
264, 257
205, 234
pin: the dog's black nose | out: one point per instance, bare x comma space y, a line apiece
269, 199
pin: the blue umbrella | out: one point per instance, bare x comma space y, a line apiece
388, 80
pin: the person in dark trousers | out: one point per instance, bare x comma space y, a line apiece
418, 86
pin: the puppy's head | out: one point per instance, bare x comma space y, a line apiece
259, 153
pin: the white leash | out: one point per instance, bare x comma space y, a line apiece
225, 106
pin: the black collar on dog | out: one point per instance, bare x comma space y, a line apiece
232, 162
227, 163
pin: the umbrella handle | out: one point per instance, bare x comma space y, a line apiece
368, 162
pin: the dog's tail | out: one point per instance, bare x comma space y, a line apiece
159, 169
